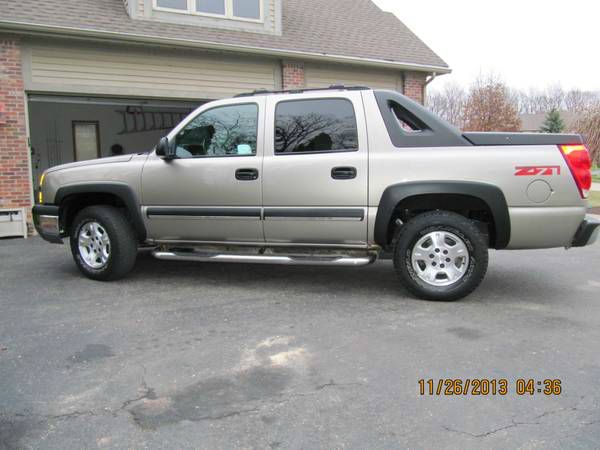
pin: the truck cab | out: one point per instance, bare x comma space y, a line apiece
280, 169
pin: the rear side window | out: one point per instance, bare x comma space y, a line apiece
411, 125
407, 120
312, 126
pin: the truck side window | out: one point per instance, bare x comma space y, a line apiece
407, 120
311, 126
221, 131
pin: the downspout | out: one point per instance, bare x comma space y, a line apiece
427, 81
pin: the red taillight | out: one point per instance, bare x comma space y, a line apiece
578, 160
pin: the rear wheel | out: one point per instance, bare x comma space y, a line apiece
440, 255
103, 243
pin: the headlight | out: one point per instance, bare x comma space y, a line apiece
41, 194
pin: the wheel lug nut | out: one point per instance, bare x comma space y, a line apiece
447, 259
433, 264
437, 250
442, 266
445, 252
431, 256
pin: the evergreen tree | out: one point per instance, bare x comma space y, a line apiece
553, 123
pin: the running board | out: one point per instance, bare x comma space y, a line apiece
265, 259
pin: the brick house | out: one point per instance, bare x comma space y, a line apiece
81, 79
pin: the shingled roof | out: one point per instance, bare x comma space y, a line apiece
353, 30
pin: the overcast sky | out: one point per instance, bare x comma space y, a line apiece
529, 43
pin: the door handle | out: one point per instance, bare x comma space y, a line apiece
246, 174
343, 173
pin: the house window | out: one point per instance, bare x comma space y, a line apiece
172, 4
247, 10
211, 6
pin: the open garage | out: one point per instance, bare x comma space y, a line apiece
66, 129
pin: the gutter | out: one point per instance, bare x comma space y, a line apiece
112, 36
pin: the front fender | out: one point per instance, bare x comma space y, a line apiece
120, 190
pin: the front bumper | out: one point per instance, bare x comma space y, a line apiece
46, 219
587, 233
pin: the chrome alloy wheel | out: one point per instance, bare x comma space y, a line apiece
440, 258
94, 245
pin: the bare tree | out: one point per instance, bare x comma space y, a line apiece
575, 100
554, 98
534, 101
522, 101
518, 99
578, 101
449, 103
489, 107
589, 126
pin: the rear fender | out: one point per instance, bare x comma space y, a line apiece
490, 194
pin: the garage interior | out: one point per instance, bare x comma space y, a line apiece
65, 129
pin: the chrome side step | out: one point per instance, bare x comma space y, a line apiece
265, 259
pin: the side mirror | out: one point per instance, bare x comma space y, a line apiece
165, 149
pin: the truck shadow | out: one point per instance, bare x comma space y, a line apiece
377, 281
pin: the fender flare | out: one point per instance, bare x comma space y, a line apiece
121, 190
488, 193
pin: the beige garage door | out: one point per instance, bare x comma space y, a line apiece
149, 73
318, 75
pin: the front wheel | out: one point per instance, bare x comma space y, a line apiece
440, 255
103, 243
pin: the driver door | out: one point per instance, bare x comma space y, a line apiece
212, 192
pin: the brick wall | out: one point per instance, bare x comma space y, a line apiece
413, 85
293, 75
15, 177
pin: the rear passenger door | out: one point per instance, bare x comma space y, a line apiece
315, 170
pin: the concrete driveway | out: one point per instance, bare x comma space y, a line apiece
238, 356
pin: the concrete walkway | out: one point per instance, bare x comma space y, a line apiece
595, 186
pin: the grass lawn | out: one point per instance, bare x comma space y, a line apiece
594, 199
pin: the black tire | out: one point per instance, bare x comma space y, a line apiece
123, 242
417, 228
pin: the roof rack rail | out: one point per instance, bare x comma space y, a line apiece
333, 87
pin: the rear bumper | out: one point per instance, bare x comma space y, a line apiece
587, 233
544, 226
46, 219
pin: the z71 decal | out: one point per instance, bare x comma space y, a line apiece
531, 171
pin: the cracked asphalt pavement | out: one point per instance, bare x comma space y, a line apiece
215, 356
